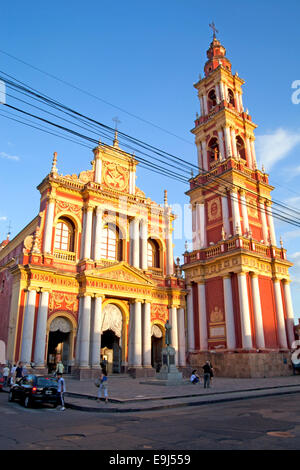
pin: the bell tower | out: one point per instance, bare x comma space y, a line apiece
237, 277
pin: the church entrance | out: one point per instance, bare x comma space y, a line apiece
111, 338
59, 343
156, 347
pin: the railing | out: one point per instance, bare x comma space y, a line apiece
236, 243
64, 255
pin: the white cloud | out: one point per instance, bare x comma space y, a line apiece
291, 235
273, 147
9, 157
3, 218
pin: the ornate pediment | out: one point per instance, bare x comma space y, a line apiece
121, 272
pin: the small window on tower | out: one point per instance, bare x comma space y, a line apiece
231, 97
212, 99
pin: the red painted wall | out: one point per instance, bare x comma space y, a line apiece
268, 311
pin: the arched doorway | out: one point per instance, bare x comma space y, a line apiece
59, 343
156, 347
111, 338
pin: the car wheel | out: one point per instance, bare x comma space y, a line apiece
27, 402
11, 396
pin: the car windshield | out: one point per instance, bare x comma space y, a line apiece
46, 382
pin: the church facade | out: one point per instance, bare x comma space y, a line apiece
237, 277
92, 276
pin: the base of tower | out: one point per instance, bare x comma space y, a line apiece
242, 364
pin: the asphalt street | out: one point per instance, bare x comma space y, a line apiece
254, 424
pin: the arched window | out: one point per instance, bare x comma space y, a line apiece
213, 148
240, 147
212, 99
153, 254
231, 97
111, 245
64, 235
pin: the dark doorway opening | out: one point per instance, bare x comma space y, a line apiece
58, 349
111, 351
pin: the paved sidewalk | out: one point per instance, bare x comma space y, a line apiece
133, 395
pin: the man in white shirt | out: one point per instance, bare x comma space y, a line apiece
6, 372
61, 388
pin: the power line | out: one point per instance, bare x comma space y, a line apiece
94, 96
51, 102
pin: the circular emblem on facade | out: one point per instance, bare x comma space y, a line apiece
115, 177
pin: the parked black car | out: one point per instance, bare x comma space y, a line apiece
34, 389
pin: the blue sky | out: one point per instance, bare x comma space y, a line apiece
144, 57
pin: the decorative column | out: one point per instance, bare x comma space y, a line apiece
289, 312
146, 334
271, 222
49, 225
233, 141
201, 105
96, 334
253, 153
225, 215
280, 315
222, 90
221, 144
244, 311
190, 319
98, 233
41, 329
181, 337
244, 211
88, 233
27, 335
228, 147
229, 313
202, 317
204, 155
258, 321
135, 242
85, 328
174, 331
201, 224
205, 104
235, 212
79, 328
249, 154
144, 244
264, 221
132, 179
169, 243
135, 335
199, 154
237, 102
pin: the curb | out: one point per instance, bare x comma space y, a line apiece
200, 402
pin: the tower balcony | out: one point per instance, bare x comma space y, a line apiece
237, 244
221, 166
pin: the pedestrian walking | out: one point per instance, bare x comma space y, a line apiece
61, 389
102, 385
59, 368
6, 373
19, 372
207, 371
13, 375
